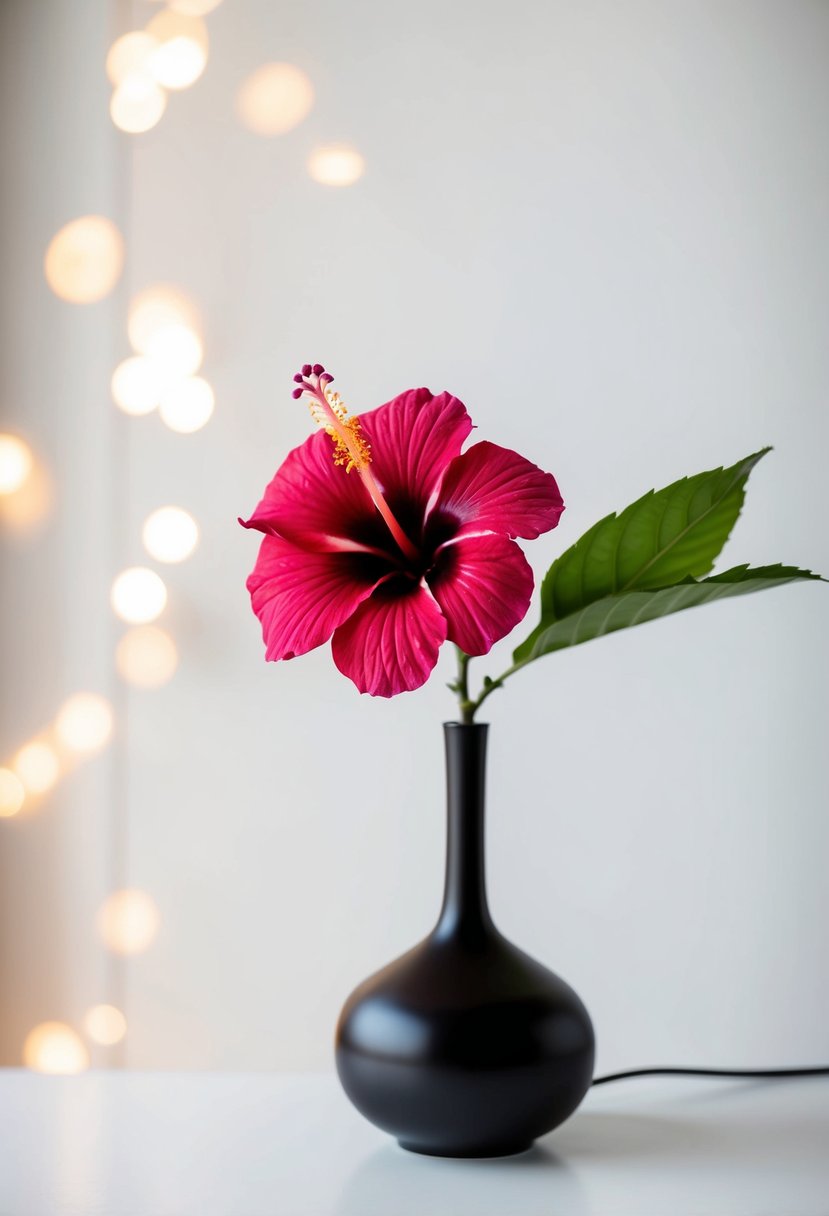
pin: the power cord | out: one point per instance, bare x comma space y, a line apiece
759, 1073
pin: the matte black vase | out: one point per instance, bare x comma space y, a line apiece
465, 1046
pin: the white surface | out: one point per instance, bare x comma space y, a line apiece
628, 198
129, 1144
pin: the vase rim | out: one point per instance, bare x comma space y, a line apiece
467, 725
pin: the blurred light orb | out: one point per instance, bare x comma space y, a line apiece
155, 308
84, 722
12, 793
175, 349
130, 53
138, 595
16, 462
274, 99
187, 405
137, 103
181, 56
194, 8
136, 385
170, 534
38, 767
105, 1024
146, 657
54, 1047
336, 165
128, 921
84, 259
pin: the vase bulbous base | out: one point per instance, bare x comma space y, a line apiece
465, 1047
483, 1153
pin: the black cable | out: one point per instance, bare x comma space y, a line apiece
769, 1073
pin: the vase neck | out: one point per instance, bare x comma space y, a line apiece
465, 912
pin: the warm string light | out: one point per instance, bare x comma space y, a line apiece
83, 726
82, 265
54, 1047
37, 765
105, 1025
84, 723
336, 165
163, 327
274, 99
138, 595
171, 53
16, 463
146, 657
170, 534
12, 793
84, 260
128, 921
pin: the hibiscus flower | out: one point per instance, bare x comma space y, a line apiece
397, 543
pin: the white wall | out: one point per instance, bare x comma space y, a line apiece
631, 200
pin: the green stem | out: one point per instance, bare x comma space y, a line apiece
469, 706
462, 687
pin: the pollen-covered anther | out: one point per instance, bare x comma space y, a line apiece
351, 449
350, 446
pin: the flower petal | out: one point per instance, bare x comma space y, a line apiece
413, 438
313, 501
391, 643
494, 489
302, 597
484, 585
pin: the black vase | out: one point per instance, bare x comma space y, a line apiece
465, 1046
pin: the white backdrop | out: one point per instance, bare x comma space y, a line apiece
630, 200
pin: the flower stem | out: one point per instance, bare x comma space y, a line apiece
469, 706
461, 687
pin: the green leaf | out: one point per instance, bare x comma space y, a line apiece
628, 608
657, 541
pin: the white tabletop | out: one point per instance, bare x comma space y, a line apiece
173, 1144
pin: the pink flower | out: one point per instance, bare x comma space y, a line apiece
397, 543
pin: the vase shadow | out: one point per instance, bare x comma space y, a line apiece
535, 1183
682, 1140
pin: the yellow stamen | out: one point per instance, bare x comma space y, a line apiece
350, 446
352, 451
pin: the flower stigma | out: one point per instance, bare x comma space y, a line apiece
351, 449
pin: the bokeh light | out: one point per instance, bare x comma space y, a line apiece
181, 56
128, 921
136, 385
194, 8
175, 349
84, 259
138, 595
84, 722
54, 1047
105, 1024
158, 307
170, 534
187, 405
146, 657
130, 53
16, 462
26, 507
137, 104
274, 99
336, 165
12, 793
38, 766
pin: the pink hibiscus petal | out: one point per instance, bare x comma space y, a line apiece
301, 597
391, 643
313, 501
494, 489
484, 585
413, 438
